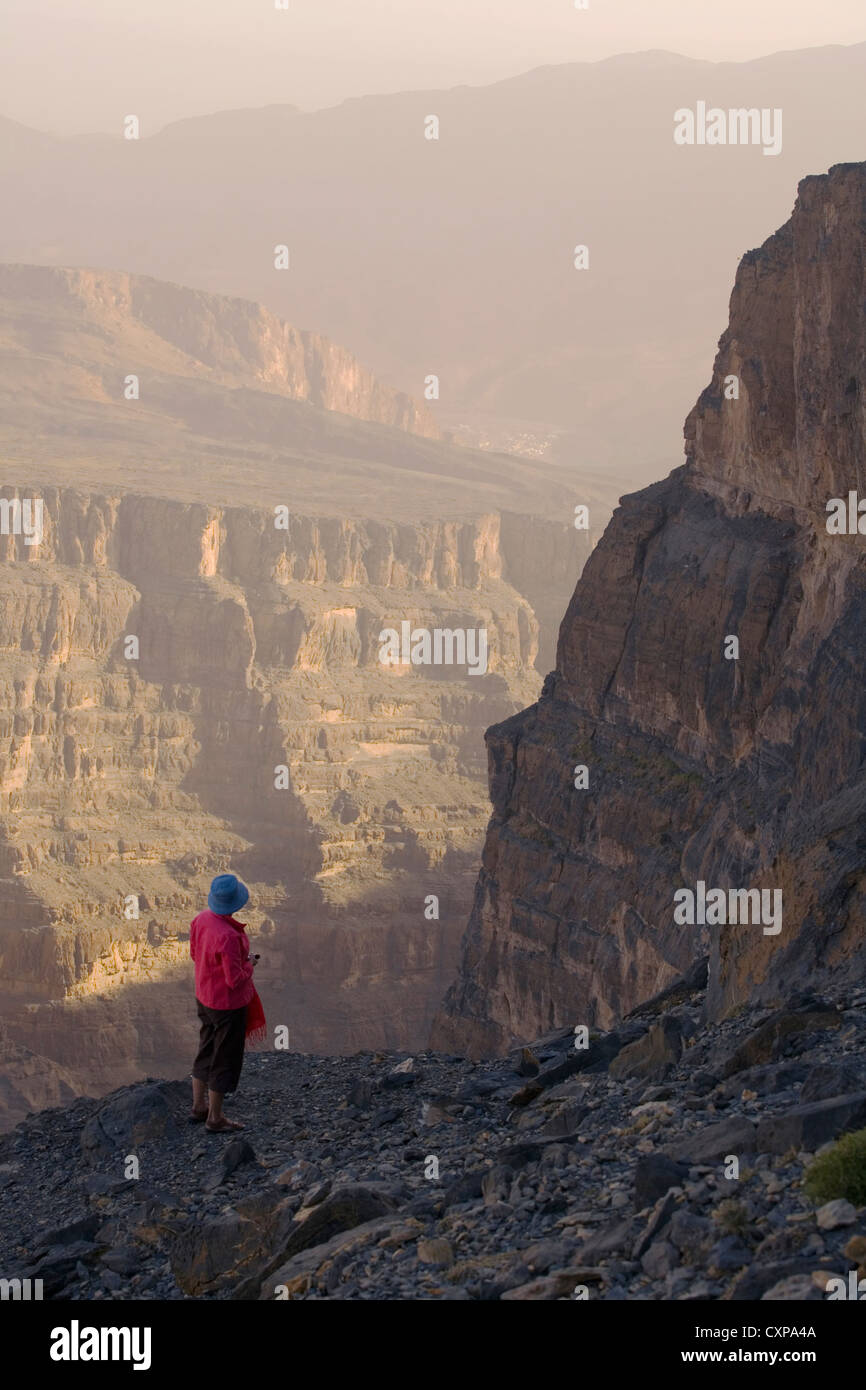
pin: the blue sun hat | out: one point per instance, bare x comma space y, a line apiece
227, 895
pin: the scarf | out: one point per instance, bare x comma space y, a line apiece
256, 1030
256, 1027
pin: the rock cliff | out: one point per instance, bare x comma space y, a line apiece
254, 725
253, 544
739, 770
105, 316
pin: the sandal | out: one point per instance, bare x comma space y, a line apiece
197, 1117
223, 1126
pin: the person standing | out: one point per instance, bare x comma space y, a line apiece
229, 1007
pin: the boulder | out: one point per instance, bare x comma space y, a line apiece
137, 1115
85, 1228
214, 1254
655, 1174
401, 1075
832, 1215
810, 1126
735, 1135
651, 1057
766, 1080
593, 1059
767, 1041
613, 1239
317, 1194
468, 1188
527, 1064
57, 1263
830, 1079
566, 1124
235, 1155
528, 1151
544, 1254
693, 982
286, 1278
757, 1279
351, 1205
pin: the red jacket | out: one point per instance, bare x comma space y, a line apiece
223, 971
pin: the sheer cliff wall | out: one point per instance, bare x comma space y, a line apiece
739, 770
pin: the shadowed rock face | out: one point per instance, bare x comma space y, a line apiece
743, 773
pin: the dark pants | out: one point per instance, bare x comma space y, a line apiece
220, 1055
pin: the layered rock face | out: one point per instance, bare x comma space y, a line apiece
187, 688
739, 771
190, 677
205, 336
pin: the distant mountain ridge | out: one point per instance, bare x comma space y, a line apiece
454, 257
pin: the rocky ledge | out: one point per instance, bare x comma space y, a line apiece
660, 1160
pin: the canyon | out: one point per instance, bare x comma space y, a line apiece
254, 544
743, 773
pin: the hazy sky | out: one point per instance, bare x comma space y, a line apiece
81, 65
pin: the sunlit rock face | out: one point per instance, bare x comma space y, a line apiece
253, 725
230, 513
